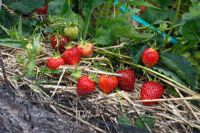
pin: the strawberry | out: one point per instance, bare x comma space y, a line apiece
85, 85
86, 49
151, 90
143, 9
72, 56
71, 31
126, 81
107, 83
150, 57
53, 63
42, 10
62, 41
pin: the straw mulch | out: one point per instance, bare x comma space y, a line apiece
99, 111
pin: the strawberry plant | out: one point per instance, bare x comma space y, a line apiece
137, 53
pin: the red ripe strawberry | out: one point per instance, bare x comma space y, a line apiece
72, 56
85, 86
54, 41
42, 10
150, 57
53, 63
151, 90
126, 81
86, 49
107, 83
143, 9
62, 41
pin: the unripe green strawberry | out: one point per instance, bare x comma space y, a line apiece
71, 32
151, 90
53, 63
126, 81
107, 83
85, 86
150, 57
29, 47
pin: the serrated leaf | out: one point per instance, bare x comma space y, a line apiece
26, 6
128, 32
140, 123
157, 15
76, 73
180, 66
103, 37
191, 29
168, 73
123, 120
30, 68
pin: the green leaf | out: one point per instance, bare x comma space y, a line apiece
123, 120
156, 15
145, 119
191, 29
137, 56
30, 68
126, 127
58, 7
195, 9
20, 32
76, 73
181, 67
172, 92
118, 31
164, 3
7, 42
141, 3
103, 37
36, 43
168, 73
26, 6
5, 29
88, 9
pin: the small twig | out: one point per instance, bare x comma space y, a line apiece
187, 104
129, 100
170, 99
89, 70
82, 121
61, 76
116, 46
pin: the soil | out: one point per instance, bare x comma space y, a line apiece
20, 116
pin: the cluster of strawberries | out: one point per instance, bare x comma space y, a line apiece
71, 55
106, 83
125, 81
